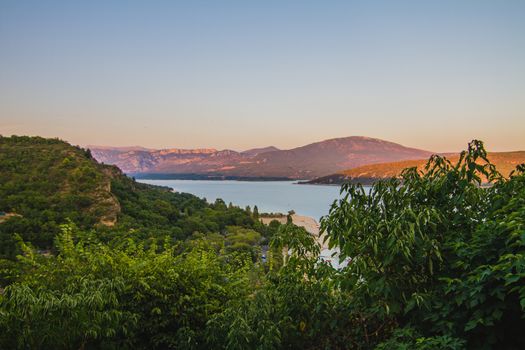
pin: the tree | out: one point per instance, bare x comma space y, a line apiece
437, 250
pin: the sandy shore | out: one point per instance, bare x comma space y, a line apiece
309, 223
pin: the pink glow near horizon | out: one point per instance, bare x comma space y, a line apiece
243, 75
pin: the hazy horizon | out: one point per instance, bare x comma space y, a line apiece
488, 146
239, 75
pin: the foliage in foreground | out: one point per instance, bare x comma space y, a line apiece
437, 252
96, 296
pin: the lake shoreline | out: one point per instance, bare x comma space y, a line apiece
268, 196
218, 178
206, 177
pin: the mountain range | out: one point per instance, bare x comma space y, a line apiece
305, 162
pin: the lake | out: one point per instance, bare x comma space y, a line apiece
269, 196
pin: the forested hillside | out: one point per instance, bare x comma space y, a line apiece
45, 183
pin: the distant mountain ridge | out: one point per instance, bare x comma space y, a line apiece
255, 151
305, 162
115, 148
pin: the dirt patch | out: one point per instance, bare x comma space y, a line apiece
7, 216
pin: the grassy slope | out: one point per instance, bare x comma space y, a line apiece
505, 162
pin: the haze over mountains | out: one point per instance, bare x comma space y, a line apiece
305, 162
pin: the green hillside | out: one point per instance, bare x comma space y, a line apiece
47, 183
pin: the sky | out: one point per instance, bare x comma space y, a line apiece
243, 74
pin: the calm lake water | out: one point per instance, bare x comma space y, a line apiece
269, 196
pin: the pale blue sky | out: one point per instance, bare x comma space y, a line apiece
240, 74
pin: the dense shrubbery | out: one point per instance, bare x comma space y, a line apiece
438, 254
437, 262
94, 295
